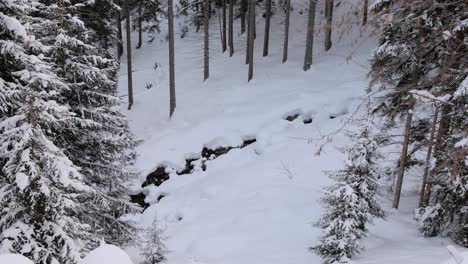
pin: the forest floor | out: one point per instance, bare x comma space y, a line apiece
257, 204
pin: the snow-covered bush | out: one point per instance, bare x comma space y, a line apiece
107, 254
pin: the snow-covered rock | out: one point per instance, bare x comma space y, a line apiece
105, 254
14, 259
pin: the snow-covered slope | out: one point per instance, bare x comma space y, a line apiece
256, 205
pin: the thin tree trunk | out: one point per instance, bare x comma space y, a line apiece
243, 11
231, 29
329, 24
206, 60
247, 49
251, 37
286, 31
310, 36
129, 56
254, 24
224, 27
365, 11
267, 28
119, 35
140, 30
439, 146
428, 159
403, 157
172, 95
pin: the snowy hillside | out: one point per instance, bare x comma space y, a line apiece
257, 204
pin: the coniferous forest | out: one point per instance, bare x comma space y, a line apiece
233, 131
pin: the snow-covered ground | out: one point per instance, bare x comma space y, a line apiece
257, 205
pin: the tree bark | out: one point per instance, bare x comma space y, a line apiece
439, 146
231, 29
247, 49
310, 35
329, 23
172, 95
365, 11
403, 157
267, 28
428, 159
119, 35
206, 60
243, 11
224, 27
251, 37
140, 30
129, 56
286, 31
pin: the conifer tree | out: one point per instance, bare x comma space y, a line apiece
40, 188
350, 203
152, 247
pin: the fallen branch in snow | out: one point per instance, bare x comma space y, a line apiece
455, 254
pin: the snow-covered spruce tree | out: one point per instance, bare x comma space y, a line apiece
99, 142
350, 204
39, 185
423, 49
148, 16
152, 245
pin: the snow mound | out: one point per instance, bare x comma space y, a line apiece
14, 259
106, 254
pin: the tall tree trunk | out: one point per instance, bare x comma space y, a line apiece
365, 11
119, 35
231, 29
224, 27
172, 95
251, 37
428, 159
310, 36
267, 28
249, 28
206, 60
140, 29
329, 24
243, 10
129, 56
286, 31
403, 156
439, 146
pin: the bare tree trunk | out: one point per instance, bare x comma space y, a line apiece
172, 95
286, 31
403, 157
119, 35
439, 146
365, 11
231, 29
249, 28
329, 24
129, 56
243, 11
267, 28
139, 26
428, 159
251, 37
206, 60
224, 26
310, 36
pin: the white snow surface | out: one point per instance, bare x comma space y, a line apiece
106, 254
257, 205
14, 259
